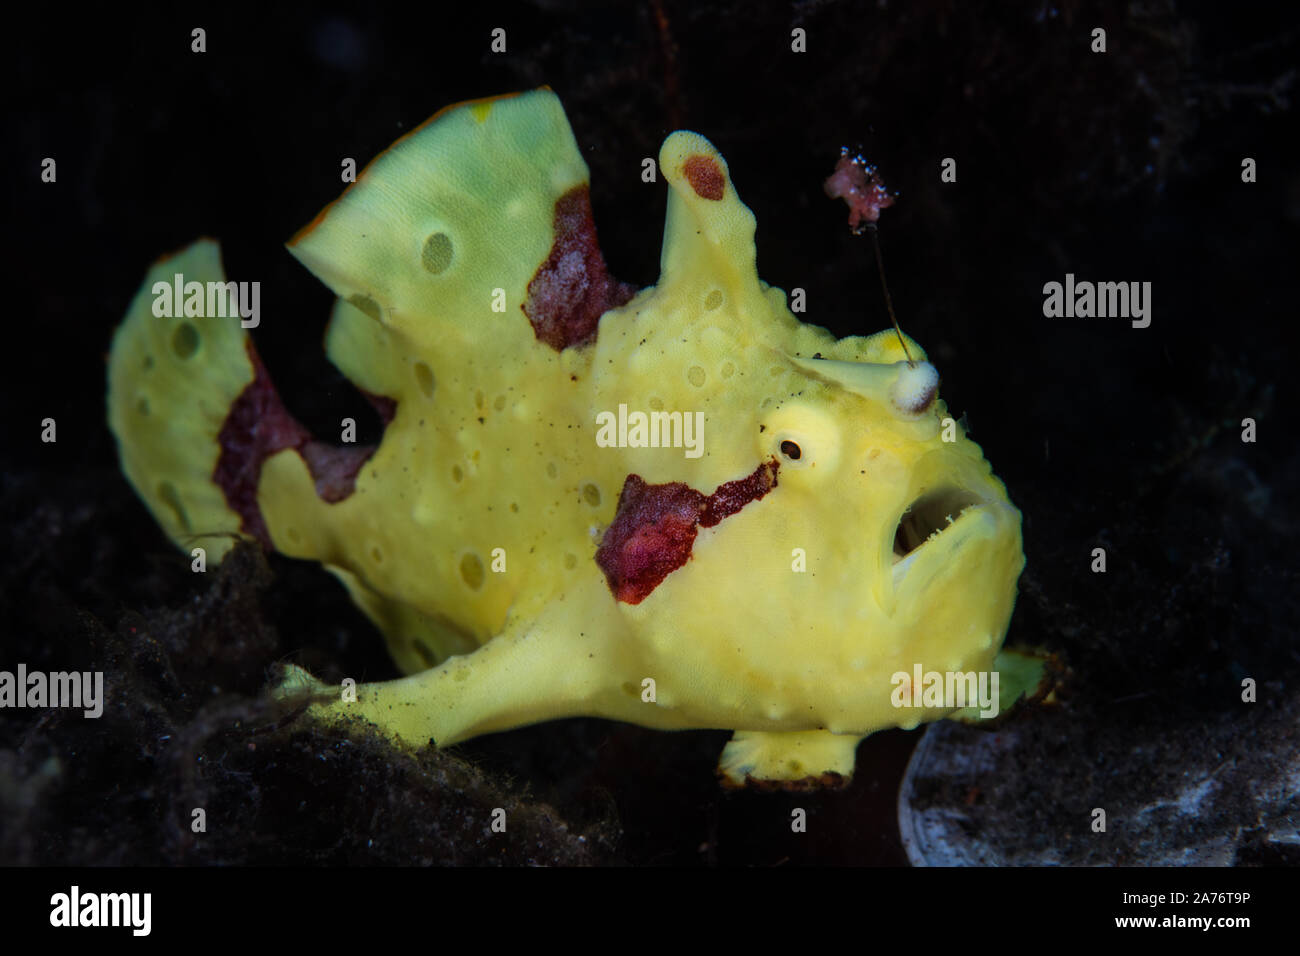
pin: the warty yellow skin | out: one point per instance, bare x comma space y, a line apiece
471, 535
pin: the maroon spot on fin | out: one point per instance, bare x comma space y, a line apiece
573, 288
334, 469
654, 528
256, 427
705, 176
384, 406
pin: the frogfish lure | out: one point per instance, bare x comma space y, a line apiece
677, 506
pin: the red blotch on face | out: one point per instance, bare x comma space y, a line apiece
705, 176
731, 496
651, 536
573, 288
654, 528
257, 427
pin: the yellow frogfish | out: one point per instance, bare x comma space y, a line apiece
680, 506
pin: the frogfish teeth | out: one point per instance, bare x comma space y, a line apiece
680, 506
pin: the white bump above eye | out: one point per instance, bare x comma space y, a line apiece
915, 388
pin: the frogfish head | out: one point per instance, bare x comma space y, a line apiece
848, 529
885, 543
918, 549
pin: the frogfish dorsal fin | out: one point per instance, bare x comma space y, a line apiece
473, 232
709, 232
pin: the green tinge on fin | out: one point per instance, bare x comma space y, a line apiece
1021, 673
365, 351
440, 236
171, 382
297, 684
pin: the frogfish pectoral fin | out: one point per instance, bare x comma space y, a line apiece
537, 669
